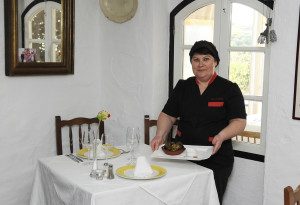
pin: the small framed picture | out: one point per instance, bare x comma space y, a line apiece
296, 103
27, 55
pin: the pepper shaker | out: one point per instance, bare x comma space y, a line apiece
110, 172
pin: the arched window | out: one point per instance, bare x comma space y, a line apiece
42, 29
234, 27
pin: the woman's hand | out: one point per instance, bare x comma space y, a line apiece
164, 125
217, 142
156, 142
235, 127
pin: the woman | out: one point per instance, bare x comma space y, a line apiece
211, 111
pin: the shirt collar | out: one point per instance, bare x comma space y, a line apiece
210, 81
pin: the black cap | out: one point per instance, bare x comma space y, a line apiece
205, 47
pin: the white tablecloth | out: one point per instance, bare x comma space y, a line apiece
60, 180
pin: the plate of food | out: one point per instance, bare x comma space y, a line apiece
173, 148
186, 152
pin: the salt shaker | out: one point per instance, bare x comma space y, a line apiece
105, 169
110, 172
99, 174
93, 173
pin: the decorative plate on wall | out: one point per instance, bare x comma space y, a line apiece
119, 11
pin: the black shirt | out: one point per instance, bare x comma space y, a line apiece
202, 116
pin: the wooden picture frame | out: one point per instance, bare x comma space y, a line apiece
13, 67
296, 103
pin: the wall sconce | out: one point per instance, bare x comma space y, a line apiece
267, 35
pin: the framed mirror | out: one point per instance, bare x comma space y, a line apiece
39, 37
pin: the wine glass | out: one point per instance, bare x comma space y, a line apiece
107, 145
132, 141
86, 142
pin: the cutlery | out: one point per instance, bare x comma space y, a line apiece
72, 158
123, 151
77, 158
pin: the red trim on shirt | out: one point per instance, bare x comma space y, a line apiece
210, 81
210, 139
197, 81
215, 104
178, 133
213, 78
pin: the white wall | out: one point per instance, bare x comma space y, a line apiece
282, 167
28, 106
246, 183
123, 68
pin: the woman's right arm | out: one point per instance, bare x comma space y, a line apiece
164, 125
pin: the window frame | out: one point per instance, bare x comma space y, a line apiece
49, 41
222, 11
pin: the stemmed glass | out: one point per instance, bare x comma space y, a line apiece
132, 141
109, 143
87, 143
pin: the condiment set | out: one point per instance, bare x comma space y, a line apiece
106, 172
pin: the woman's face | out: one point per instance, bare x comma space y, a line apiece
203, 66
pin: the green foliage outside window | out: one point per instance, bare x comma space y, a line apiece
240, 70
240, 61
241, 36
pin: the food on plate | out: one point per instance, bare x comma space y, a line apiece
173, 148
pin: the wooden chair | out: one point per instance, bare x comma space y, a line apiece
149, 123
291, 197
74, 122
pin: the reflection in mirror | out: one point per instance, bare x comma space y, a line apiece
39, 37
41, 31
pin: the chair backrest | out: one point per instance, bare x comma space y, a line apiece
291, 197
74, 122
149, 123
248, 135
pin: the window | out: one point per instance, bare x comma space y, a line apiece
43, 25
234, 27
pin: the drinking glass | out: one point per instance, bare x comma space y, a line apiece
86, 142
109, 143
132, 141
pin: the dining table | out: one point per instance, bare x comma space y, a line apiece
60, 180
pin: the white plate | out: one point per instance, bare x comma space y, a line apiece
119, 11
127, 172
113, 152
200, 153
